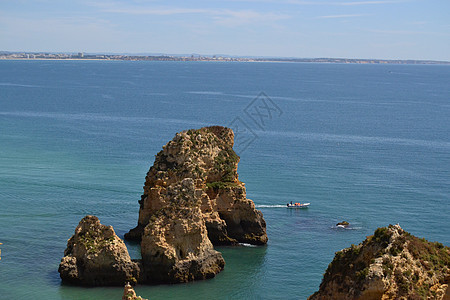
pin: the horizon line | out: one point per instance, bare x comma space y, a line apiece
189, 55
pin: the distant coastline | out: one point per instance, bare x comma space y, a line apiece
5, 55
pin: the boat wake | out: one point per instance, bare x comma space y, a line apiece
270, 206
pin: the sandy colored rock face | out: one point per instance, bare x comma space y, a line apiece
391, 264
96, 256
206, 156
130, 294
192, 199
175, 246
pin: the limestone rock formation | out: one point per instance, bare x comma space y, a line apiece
192, 199
391, 264
130, 294
206, 156
96, 256
175, 246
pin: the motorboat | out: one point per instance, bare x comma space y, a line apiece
298, 205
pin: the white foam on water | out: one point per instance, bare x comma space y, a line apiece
341, 227
270, 206
19, 85
247, 245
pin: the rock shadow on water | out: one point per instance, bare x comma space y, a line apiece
73, 292
252, 256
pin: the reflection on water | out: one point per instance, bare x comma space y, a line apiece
70, 292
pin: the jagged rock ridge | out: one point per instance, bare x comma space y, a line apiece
391, 264
192, 199
175, 248
206, 155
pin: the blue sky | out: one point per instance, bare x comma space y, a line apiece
387, 29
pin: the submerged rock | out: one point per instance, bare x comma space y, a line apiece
96, 256
391, 264
206, 156
130, 294
343, 224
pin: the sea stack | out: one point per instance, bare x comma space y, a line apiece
175, 246
96, 256
192, 200
205, 156
391, 264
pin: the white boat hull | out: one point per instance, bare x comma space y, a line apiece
301, 205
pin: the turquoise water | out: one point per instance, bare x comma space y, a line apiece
369, 144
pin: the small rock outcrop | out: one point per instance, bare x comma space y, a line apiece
96, 256
175, 246
206, 156
343, 224
391, 264
130, 294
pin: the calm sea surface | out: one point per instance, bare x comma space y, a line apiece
369, 144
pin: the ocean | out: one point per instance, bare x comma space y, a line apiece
369, 144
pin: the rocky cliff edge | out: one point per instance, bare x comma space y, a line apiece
391, 264
96, 256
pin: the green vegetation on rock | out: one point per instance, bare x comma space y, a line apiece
391, 264
226, 162
218, 185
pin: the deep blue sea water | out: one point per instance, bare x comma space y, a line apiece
369, 144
